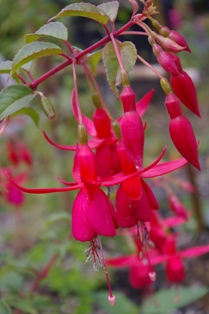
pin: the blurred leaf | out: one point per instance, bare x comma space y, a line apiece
83, 9
33, 51
10, 281
5, 67
4, 308
93, 60
167, 302
54, 30
29, 112
13, 98
123, 305
22, 304
62, 216
110, 8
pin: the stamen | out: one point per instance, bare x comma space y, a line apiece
152, 276
111, 299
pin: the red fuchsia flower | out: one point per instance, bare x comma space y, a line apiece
166, 60
181, 131
184, 89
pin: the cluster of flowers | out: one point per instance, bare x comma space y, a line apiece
113, 159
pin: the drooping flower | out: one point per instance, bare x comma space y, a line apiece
181, 131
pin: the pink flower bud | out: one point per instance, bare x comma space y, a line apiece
184, 89
169, 44
133, 136
183, 137
102, 123
179, 39
166, 60
87, 163
128, 99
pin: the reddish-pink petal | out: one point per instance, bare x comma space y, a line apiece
100, 213
81, 227
44, 190
63, 147
139, 275
123, 261
144, 102
124, 217
164, 168
175, 269
194, 251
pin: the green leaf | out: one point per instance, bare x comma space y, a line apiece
51, 30
29, 112
111, 66
5, 67
83, 9
13, 98
93, 60
110, 8
128, 54
4, 308
22, 304
123, 305
33, 51
166, 299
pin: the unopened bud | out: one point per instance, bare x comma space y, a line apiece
96, 100
82, 134
165, 85
47, 107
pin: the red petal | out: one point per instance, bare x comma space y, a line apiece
123, 261
100, 213
144, 102
125, 219
164, 168
44, 190
81, 227
195, 251
63, 147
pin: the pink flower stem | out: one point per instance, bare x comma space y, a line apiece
150, 67
117, 52
76, 93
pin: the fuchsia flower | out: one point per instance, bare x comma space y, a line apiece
181, 131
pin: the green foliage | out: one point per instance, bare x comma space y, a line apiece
13, 98
83, 9
166, 301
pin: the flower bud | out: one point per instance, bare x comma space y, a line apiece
166, 60
47, 107
179, 39
168, 44
183, 137
133, 136
184, 89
